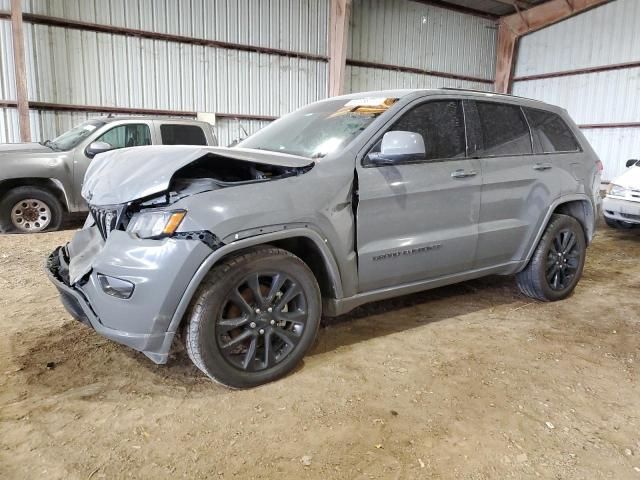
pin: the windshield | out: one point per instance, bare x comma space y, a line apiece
71, 138
320, 128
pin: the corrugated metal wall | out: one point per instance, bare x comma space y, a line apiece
362, 79
416, 35
603, 36
295, 25
231, 130
80, 67
77, 66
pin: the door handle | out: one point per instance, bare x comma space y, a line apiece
463, 173
542, 166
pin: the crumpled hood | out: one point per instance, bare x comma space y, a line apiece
22, 148
629, 179
128, 174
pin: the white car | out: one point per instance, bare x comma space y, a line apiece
621, 206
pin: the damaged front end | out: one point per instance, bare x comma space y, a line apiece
126, 271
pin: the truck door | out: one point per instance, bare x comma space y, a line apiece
118, 135
418, 221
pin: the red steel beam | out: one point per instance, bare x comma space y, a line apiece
516, 25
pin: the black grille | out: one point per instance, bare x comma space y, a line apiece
107, 219
630, 216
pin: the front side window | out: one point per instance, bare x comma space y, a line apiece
441, 124
320, 128
123, 136
175, 134
501, 130
550, 133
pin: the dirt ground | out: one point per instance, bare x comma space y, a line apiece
473, 381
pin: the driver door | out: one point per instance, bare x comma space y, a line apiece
418, 221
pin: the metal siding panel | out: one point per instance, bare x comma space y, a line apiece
606, 35
7, 71
302, 27
9, 132
603, 97
411, 34
229, 130
363, 79
614, 146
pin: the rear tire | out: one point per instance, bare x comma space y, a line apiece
30, 210
557, 263
253, 318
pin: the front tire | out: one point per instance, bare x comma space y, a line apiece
253, 318
557, 263
30, 210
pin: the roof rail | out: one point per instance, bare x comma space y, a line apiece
490, 93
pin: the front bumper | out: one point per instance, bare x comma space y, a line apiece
159, 269
622, 210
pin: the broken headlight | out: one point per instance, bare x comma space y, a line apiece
156, 223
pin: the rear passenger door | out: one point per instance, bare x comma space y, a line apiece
418, 220
517, 186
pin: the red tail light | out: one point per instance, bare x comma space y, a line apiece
599, 165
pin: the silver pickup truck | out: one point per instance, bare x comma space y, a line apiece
41, 182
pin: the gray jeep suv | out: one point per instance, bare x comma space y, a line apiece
345, 201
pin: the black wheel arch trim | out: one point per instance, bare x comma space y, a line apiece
282, 233
553, 209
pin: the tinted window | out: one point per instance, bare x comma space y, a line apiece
132, 135
550, 133
441, 124
182, 135
500, 130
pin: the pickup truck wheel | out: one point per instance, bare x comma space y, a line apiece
30, 210
253, 318
556, 266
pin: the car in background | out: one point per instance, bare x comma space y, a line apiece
621, 206
41, 182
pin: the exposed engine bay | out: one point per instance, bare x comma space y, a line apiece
213, 172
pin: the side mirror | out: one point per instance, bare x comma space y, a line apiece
632, 162
398, 147
97, 147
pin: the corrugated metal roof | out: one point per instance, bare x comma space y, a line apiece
296, 25
7, 72
614, 146
605, 97
411, 34
362, 79
605, 35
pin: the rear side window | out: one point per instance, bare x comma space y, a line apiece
550, 133
501, 130
175, 134
441, 124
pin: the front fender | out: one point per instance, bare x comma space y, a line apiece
286, 231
